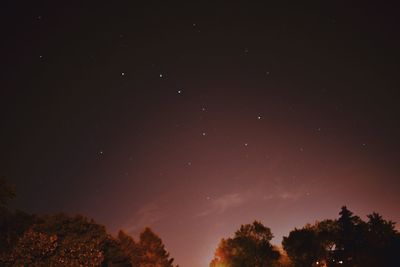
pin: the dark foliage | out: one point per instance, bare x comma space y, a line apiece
347, 241
250, 247
61, 240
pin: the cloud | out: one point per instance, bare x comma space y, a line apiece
223, 203
147, 216
229, 201
283, 195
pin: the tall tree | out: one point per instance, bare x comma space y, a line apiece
350, 237
348, 241
250, 247
114, 255
381, 238
152, 251
130, 248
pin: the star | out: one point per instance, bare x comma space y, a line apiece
179, 91
203, 109
122, 73
246, 144
161, 75
259, 117
204, 134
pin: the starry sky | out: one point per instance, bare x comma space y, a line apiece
195, 118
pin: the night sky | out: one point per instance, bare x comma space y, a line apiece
195, 118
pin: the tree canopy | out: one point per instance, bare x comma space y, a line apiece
250, 247
347, 241
62, 240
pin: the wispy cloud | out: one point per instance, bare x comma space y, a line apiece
230, 201
281, 194
223, 203
147, 216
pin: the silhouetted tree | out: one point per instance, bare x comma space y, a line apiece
61, 240
13, 224
284, 260
130, 248
152, 251
327, 231
303, 246
249, 247
311, 244
380, 237
348, 241
114, 255
350, 237
7, 192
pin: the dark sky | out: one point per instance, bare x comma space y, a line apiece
195, 118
